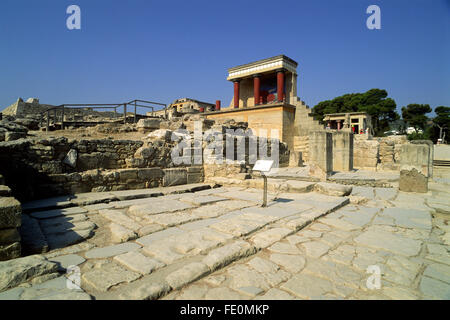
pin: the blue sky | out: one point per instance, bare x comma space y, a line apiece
164, 50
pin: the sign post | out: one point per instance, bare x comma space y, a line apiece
263, 166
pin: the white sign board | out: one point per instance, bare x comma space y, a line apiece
263, 165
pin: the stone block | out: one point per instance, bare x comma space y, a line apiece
146, 125
10, 213
412, 180
149, 173
8, 236
321, 150
295, 159
194, 178
342, 151
128, 174
15, 272
174, 177
9, 251
417, 155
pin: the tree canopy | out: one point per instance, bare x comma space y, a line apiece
415, 115
374, 102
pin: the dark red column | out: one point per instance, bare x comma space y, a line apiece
217, 105
280, 85
236, 94
256, 89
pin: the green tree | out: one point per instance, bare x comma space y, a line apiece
374, 102
415, 115
441, 123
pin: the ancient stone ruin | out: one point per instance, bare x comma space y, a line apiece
165, 205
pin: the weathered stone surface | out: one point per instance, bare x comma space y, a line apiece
244, 276
148, 229
118, 217
162, 251
68, 227
268, 237
111, 251
58, 213
10, 251
187, 274
439, 272
10, 213
292, 263
299, 186
136, 261
263, 265
193, 292
171, 219
146, 291
56, 241
434, 289
109, 275
390, 242
333, 189
202, 200
281, 247
8, 236
84, 246
158, 206
223, 293
71, 158
67, 260
121, 234
307, 287
409, 218
315, 249
17, 271
275, 294
411, 180
33, 240
224, 255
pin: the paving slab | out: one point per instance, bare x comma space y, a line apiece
57, 213
136, 261
187, 274
119, 217
222, 256
67, 260
159, 206
110, 251
108, 276
390, 242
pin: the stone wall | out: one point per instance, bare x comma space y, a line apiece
36, 168
10, 221
379, 154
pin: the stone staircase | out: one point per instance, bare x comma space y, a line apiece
304, 123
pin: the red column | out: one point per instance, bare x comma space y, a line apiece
217, 105
280, 85
338, 124
236, 94
256, 89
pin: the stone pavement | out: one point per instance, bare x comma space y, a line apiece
220, 244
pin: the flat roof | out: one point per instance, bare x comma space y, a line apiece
281, 56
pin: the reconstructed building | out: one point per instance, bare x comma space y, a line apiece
265, 96
355, 122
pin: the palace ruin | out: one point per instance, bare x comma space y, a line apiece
163, 204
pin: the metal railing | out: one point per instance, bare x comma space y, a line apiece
114, 106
